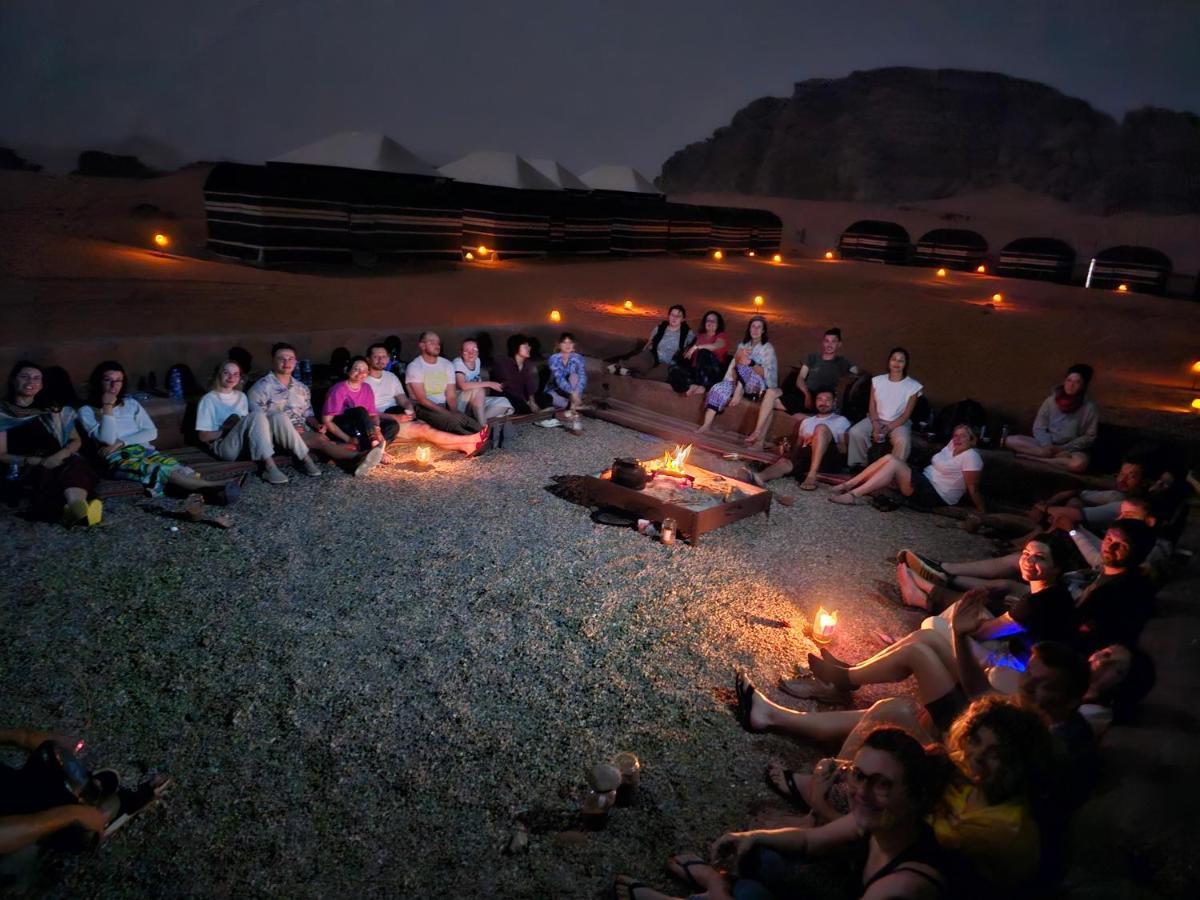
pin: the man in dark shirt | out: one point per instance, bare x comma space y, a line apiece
820, 372
1114, 608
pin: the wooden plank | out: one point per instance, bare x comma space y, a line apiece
680, 431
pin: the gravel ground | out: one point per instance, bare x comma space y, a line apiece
360, 685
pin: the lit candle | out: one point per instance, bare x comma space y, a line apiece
751, 253
470, 255
823, 626
424, 454
629, 304
1122, 287
758, 300
829, 254
941, 273
717, 254
161, 241
777, 258
482, 250
982, 270
555, 315
997, 298
1196, 403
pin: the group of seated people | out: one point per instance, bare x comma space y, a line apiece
966, 788
55, 447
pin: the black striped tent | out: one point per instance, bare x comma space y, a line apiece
505, 203
1141, 269
639, 217
732, 229
875, 241
1040, 258
952, 248
689, 229
404, 218
580, 224
767, 234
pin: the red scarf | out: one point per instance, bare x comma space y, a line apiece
1068, 403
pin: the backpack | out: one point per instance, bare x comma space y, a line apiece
964, 412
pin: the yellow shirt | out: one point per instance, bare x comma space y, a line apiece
1001, 841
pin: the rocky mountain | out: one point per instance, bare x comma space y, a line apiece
899, 134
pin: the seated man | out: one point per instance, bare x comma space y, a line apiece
390, 399
430, 381
820, 372
820, 446
1115, 607
1094, 509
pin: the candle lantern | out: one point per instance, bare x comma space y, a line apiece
424, 454
629, 304
941, 273
470, 255
161, 241
829, 254
717, 254
824, 625
1122, 288
482, 250
750, 253
982, 270
758, 300
997, 298
777, 258
555, 315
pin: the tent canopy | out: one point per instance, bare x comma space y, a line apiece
498, 169
559, 174
359, 150
619, 178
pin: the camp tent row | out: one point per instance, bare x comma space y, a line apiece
356, 193
1043, 258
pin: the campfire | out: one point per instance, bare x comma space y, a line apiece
670, 465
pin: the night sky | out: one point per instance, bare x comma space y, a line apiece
586, 83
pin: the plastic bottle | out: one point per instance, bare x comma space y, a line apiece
1003, 436
668, 531
983, 435
175, 384
14, 471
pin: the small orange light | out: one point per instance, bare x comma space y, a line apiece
1196, 403
997, 298
982, 270
1122, 288
776, 258
1196, 367
717, 254
423, 454
161, 240
482, 250
470, 255
829, 254
823, 626
555, 315
941, 273
758, 300
629, 304
750, 253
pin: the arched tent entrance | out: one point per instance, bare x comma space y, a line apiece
1040, 258
1143, 269
875, 241
953, 248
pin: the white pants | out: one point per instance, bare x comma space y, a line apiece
860, 442
493, 407
263, 433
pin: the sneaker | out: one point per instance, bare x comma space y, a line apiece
75, 513
95, 512
547, 423
311, 468
272, 475
369, 461
923, 566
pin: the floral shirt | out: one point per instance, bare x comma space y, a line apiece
760, 355
294, 400
561, 372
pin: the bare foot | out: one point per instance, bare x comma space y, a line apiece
788, 784
809, 483
694, 389
691, 869
911, 594
845, 499
814, 689
841, 488
753, 440
703, 429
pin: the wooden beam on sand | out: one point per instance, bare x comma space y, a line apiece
681, 431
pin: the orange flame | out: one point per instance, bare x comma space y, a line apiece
671, 461
824, 624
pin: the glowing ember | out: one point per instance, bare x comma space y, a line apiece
671, 463
162, 241
824, 624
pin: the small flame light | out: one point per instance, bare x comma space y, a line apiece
481, 250
750, 253
829, 254
758, 300
628, 304
424, 454
717, 254
161, 241
777, 258
1196, 367
982, 270
470, 256
941, 273
1196, 403
555, 315
824, 625
1122, 288
997, 298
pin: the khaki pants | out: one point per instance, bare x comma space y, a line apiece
264, 434
860, 442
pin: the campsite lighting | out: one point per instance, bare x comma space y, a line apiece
555, 315
481, 250
161, 241
758, 300
718, 255
628, 304
424, 454
982, 270
750, 253
997, 298
470, 256
829, 254
1122, 287
824, 625
1196, 403
941, 273
1196, 367
777, 258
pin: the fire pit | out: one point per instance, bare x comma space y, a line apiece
697, 499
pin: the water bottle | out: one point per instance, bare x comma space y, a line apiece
1003, 436
175, 384
306, 371
14, 471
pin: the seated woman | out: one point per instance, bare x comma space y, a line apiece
39, 442
124, 433
518, 376
227, 427
753, 372
669, 339
473, 389
568, 376
896, 783
1066, 424
350, 417
953, 472
704, 361
893, 398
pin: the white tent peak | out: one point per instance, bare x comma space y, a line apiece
498, 169
619, 178
359, 150
559, 174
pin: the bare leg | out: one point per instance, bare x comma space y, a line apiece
934, 678
421, 431
193, 482
314, 440
709, 415
776, 470
1001, 567
822, 438
901, 711
851, 483
822, 727
766, 409
892, 471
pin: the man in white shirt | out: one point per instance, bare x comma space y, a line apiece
390, 399
431, 385
820, 443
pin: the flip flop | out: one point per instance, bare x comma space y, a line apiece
814, 689
808, 484
744, 688
792, 793
631, 885
138, 800
687, 866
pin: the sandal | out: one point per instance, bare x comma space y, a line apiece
792, 793
687, 865
744, 688
631, 886
808, 484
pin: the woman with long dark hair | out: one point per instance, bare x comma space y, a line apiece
894, 396
704, 361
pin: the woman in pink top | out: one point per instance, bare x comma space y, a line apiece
350, 416
707, 357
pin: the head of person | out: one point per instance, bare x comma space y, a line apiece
25, 382
107, 378
566, 343
226, 377
714, 322
1132, 475
378, 356
1056, 679
831, 342
1126, 544
756, 331
1003, 746
470, 353
896, 779
392, 344
1079, 376
823, 401
1137, 507
283, 359
520, 346
1041, 558
358, 370
430, 344
964, 437
57, 389
898, 363
675, 316
1120, 677
241, 356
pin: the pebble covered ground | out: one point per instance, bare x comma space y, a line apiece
363, 683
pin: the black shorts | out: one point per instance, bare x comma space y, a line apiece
945, 709
923, 494
833, 462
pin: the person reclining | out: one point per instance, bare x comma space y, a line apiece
820, 446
